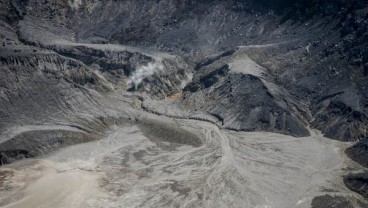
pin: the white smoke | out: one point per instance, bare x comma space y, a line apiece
145, 71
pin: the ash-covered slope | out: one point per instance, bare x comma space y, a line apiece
321, 61
242, 94
57, 88
308, 70
71, 69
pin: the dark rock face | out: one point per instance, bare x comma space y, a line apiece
333, 202
243, 102
358, 183
359, 152
7, 157
35, 143
341, 121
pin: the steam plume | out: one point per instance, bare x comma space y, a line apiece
145, 71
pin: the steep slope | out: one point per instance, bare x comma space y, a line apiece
243, 96
320, 61
320, 79
71, 70
63, 86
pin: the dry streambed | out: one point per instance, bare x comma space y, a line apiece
147, 165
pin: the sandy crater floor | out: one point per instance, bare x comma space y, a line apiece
230, 169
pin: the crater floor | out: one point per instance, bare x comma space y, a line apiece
230, 169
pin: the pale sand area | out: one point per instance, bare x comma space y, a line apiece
49, 184
230, 169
